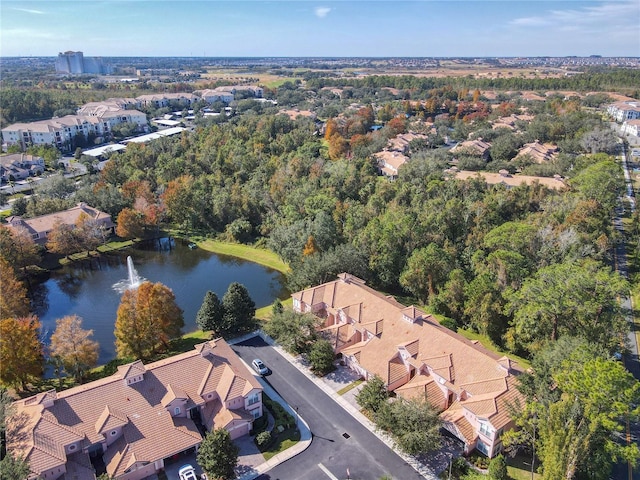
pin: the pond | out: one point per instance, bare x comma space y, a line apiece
89, 293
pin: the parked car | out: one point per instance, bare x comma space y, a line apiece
187, 472
259, 366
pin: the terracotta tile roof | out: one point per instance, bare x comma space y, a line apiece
422, 386
540, 152
397, 370
45, 223
465, 368
511, 180
149, 432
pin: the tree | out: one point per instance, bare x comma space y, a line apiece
296, 332
12, 467
17, 247
373, 395
211, 314
571, 298
218, 455
427, 269
13, 301
63, 240
130, 224
498, 468
413, 424
600, 140
239, 309
584, 423
147, 318
321, 357
69, 342
21, 351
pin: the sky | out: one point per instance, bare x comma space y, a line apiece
310, 28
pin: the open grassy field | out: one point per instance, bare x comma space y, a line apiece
246, 252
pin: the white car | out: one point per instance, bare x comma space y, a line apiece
259, 366
187, 472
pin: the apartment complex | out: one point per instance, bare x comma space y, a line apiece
622, 111
417, 357
63, 132
138, 419
18, 166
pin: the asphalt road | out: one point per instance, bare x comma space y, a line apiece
339, 441
622, 471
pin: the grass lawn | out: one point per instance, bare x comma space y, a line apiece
519, 468
265, 313
288, 438
486, 343
351, 386
246, 252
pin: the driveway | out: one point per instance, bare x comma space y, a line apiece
340, 443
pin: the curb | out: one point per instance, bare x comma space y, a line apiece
355, 413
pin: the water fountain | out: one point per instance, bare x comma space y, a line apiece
133, 281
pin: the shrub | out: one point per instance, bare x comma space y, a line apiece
263, 439
498, 468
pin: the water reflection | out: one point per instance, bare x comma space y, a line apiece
88, 293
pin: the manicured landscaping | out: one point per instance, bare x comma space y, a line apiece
351, 386
246, 252
285, 433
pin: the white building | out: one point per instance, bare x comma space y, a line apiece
159, 100
631, 127
61, 132
622, 111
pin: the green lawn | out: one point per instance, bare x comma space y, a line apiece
486, 343
519, 468
246, 252
351, 386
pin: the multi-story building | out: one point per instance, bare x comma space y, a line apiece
622, 111
76, 63
159, 100
61, 132
136, 419
415, 356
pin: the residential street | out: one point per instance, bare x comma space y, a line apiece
340, 443
631, 360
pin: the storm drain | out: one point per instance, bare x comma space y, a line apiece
346, 435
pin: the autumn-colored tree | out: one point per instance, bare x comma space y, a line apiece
130, 224
72, 345
310, 247
147, 318
338, 146
21, 351
397, 125
13, 301
178, 199
476, 95
330, 129
89, 233
62, 240
17, 247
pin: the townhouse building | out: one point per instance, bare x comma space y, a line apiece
18, 166
137, 420
415, 356
40, 227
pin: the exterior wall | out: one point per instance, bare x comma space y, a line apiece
140, 473
53, 474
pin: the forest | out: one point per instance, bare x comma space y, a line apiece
528, 267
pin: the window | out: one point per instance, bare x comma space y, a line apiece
255, 413
72, 448
486, 430
254, 398
113, 433
176, 410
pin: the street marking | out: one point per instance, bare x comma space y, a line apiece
329, 474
